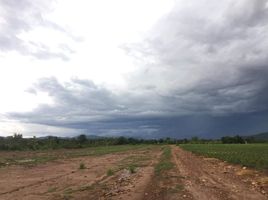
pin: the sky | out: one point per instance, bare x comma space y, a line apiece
134, 68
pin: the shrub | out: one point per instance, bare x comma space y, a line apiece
82, 166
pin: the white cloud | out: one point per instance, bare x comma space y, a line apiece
153, 58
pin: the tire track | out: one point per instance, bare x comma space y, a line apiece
206, 180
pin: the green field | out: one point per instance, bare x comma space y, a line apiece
251, 155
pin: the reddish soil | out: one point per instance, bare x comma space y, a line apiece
208, 178
192, 177
57, 179
124, 184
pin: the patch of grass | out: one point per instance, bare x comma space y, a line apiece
163, 166
102, 150
86, 187
67, 194
132, 169
68, 191
43, 156
67, 197
132, 162
110, 172
51, 189
250, 155
137, 160
178, 188
82, 166
165, 163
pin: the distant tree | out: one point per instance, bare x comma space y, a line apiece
122, 140
82, 139
195, 140
239, 140
232, 140
17, 136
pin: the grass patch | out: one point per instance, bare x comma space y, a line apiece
132, 169
165, 163
82, 166
133, 162
51, 189
68, 194
250, 155
86, 187
43, 156
178, 188
110, 172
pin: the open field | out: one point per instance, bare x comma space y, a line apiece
125, 172
37, 157
250, 155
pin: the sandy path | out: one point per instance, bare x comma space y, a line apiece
124, 184
137, 184
212, 179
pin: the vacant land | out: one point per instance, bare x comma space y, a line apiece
125, 172
250, 155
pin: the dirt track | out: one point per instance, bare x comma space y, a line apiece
208, 178
192, 177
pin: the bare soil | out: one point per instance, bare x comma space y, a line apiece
209, 178
192, 177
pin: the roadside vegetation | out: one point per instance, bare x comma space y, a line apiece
251, 155
18, 143
165, 163
43, 156
167, 181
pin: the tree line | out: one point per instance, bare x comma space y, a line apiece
17, 142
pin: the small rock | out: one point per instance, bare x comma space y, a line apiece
184, 196
263, 192
244, 167
146, 194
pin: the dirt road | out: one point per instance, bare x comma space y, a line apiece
63, 180
131, 175
208, 178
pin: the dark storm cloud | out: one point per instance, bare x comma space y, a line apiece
21, 16
208, 58
203, 71
81, 105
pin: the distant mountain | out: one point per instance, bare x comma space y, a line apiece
93, 137
259, 136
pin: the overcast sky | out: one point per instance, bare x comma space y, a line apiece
142, 68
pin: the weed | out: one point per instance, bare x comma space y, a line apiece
43, 156
82, 166
132, 169
110, 172
51, 189
86, 187
179, 187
